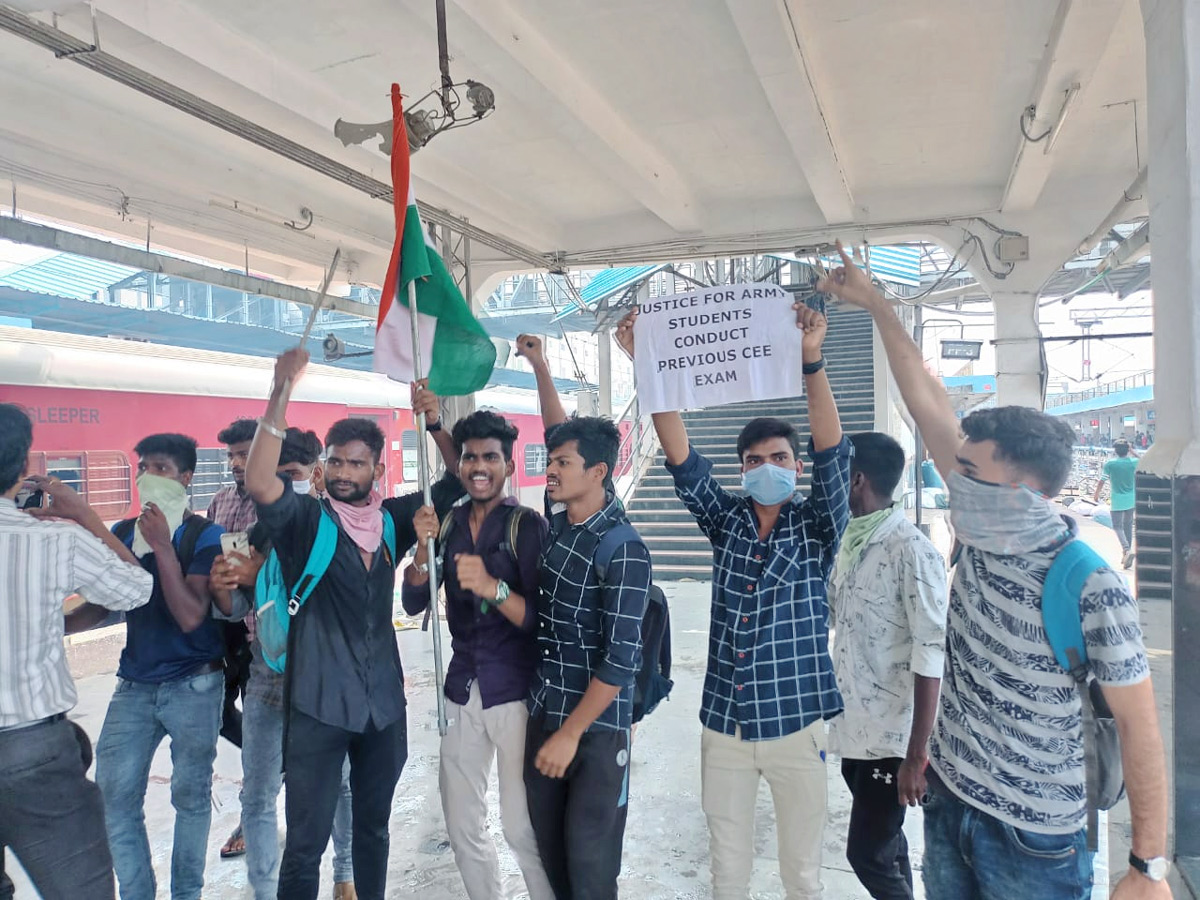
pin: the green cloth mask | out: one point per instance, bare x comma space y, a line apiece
169, 496
858, 533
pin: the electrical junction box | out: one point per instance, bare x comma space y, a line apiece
1013, 248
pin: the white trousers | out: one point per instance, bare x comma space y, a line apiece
474, 737
730, 769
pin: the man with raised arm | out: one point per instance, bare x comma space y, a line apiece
344, 688
1006, 808
770, 685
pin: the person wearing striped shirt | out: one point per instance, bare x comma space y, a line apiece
770, 684
1006, 801
47, 802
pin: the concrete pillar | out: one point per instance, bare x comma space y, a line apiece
1020, 363
1169, 475
1173, 112
604, 358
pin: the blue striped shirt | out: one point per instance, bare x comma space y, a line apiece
769, 670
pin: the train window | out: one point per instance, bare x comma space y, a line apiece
68, 470
103, 477
108, 480
408, 451
210, 477
535, 459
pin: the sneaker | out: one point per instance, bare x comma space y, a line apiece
1130, 556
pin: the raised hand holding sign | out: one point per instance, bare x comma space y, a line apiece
718, 345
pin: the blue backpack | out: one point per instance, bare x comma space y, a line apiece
275, 604
1075, 563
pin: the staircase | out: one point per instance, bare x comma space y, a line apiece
677, 546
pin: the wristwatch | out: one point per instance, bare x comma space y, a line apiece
435, 427
1155, 869
502, 592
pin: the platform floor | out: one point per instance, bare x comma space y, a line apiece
666, 844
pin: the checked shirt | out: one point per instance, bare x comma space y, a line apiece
769, 670
588, 629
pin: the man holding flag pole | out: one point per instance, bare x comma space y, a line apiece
344, 683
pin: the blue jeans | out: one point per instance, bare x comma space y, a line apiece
970, 855
262, 762
139, 717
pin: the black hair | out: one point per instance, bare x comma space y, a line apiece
1030, 441
1121, 448
759, 430
179, 447
483, 425
344, 431
880, 458
596, 438
238, 432
300, 446
16, 437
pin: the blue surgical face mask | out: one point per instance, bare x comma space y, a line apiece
769, 485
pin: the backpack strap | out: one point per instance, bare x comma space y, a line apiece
193, 527
1062, 618
389, 538
319, 557
512, 529
606, 549
123, 530
1074, 564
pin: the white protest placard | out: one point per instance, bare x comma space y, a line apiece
717, 345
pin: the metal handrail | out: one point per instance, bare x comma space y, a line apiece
637, 446
643, 442
1141, 379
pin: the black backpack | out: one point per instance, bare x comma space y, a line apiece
652, 683
194, 526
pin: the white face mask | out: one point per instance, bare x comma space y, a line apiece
302, 486
169, 496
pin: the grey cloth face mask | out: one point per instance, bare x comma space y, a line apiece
1006, 519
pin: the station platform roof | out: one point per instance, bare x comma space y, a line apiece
624, 133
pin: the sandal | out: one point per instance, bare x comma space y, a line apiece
235, 846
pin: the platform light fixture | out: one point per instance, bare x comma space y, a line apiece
442, 109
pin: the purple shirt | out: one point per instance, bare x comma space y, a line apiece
487, 646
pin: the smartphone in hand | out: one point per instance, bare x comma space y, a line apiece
235, 542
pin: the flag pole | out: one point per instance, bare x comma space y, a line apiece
431, 543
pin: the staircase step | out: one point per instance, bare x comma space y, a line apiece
677, 546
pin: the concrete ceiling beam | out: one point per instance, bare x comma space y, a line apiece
609, 139
787, 73
1075, 46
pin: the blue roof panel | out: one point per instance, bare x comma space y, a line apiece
610, 281
67, 275
1143, 394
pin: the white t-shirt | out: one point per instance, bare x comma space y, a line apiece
889, 616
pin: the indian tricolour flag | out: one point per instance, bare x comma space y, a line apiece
456, 353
